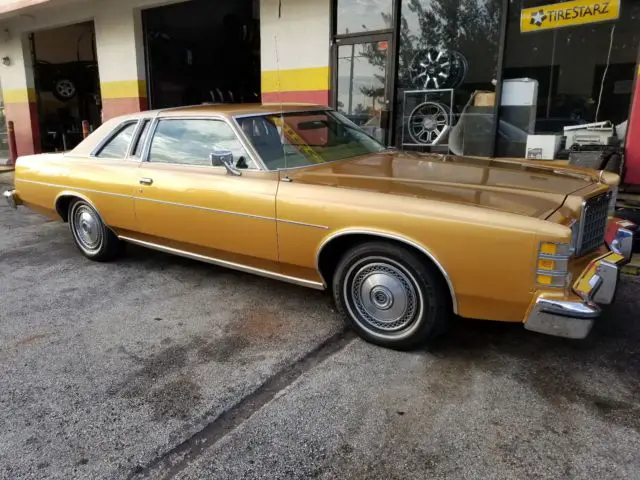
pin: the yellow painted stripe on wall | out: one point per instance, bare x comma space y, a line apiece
124, 89
295, 80
19, 95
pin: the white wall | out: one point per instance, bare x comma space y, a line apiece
301, 34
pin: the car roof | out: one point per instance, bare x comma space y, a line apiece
229, 109
238, 109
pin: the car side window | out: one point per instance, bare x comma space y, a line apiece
118, 145
139, 145
191, 142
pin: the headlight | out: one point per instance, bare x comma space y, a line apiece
553, 264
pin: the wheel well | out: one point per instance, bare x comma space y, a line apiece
62, 206
332, 252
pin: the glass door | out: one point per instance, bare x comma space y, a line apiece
362, 82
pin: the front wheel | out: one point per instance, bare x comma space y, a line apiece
91, 235
391, 296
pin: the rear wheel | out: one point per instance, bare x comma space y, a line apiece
90, 234
391, 296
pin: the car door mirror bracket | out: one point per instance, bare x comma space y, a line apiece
224, 158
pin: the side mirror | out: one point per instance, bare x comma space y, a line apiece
224, 158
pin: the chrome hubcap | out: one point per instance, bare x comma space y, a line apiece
382, 296
87, 228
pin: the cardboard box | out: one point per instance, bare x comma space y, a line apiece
484, 99
542, 147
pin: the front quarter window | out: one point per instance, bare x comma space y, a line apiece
296, 139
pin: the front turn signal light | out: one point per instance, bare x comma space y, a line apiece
546, 264
552, 268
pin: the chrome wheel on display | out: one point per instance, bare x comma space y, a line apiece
437, 68
87, 228
427, 122
383, 297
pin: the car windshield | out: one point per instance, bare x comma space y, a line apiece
298, 139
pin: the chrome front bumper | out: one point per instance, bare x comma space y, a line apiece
12, 198
574, 317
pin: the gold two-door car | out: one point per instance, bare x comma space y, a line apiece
299, 193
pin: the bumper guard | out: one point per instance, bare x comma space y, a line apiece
574, 318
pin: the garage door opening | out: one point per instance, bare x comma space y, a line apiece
67, 84
203, 52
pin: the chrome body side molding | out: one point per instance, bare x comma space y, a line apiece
224, 263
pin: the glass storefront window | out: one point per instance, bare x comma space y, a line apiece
358, 16
565, 74
361, 90
448, 57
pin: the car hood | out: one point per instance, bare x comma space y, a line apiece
513, 186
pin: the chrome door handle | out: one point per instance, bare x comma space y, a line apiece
146, 181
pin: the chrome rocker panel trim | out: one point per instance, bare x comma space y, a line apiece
12, 198
223, 263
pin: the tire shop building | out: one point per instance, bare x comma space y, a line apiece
501, 78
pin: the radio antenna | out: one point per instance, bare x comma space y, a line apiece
275, 38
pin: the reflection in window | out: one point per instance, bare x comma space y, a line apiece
361, 84
356, 16
448, 51
572, 76
305, 138
118, 145
191, 142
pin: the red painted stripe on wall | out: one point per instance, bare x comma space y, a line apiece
114, 107
24, 116
320, 97
632, 151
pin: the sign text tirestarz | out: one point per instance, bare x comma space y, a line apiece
567, 14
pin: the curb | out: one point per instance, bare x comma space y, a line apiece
633, 268
6, 178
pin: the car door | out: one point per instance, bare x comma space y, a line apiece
185, 202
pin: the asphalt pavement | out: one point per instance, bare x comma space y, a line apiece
160, 367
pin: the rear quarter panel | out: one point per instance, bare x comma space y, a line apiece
489, 256
41, 179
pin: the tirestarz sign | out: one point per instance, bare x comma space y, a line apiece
568, 14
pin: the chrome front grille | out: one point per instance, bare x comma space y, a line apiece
593, 223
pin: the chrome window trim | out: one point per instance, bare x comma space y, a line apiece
112, 134
390, 236
234, 128
227, 264
136, 138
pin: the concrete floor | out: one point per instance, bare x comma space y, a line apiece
159, 367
